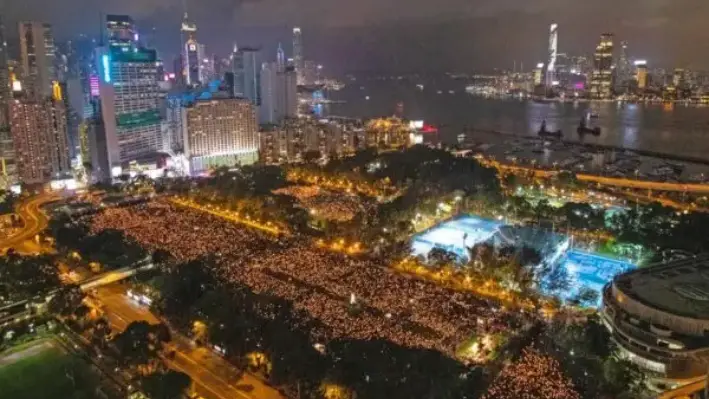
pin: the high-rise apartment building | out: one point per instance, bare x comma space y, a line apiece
298, 56
293, 137
37, 58
129, 107
602, 75
39, 135
220, 132
121, 31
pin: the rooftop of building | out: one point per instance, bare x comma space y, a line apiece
679, 287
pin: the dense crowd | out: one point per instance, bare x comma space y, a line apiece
533, 376
352, 298
339, 207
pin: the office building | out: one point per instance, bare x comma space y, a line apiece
129, 108
659, 318
121, 31
220, 132
298, 56
641, 74
37, 58
39, 135
602, 75
246, 66
192, 54
551, 65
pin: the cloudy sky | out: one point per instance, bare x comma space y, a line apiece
404, 35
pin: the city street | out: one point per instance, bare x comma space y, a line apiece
35, 222
213, 376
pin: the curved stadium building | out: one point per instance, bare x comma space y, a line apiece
659, 316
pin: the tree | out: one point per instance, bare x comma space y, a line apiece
140, 342
23, 277
166, 385
66, 301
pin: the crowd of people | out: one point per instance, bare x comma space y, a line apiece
338, 207
533, 376
351, 297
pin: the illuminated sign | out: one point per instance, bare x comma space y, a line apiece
640, 62
16, 85
56, 91
93, 85
540, 65
192, 47
106, 68
415, 124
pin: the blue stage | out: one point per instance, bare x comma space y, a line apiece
455, 236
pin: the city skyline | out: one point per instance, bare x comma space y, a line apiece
417, 37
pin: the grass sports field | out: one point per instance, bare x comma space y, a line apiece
43, 370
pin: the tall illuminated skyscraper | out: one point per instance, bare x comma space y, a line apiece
298, 60
129, 108
37, 57
602, 75
192, 53
553, 43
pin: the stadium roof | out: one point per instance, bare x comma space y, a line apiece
680, 287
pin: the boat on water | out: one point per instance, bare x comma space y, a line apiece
543, 132
584, 129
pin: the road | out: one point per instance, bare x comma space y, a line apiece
609, 181
214, 377
35, 221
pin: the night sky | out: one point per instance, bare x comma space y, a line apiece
403, 35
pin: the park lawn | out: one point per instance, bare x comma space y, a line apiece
44, 375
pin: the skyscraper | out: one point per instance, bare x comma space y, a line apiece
37, 57
129, 104
8, 171
553, 43
641, 73
4, 80
39, 137
602, 75
192, 53
246, 66
221, 132
278, 93
298, 60
120, 30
